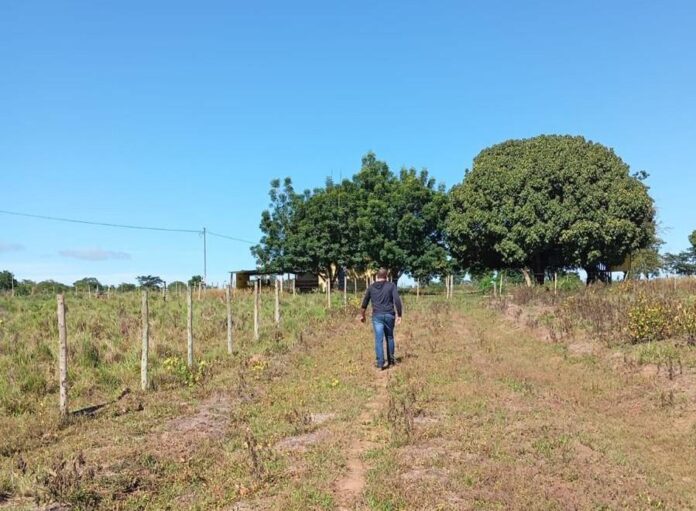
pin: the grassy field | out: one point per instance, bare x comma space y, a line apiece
484, 411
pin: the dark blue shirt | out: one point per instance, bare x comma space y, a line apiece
385, 298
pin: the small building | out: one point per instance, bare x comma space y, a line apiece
305, 282
244, 279
355, 281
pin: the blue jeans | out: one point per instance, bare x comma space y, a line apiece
383, 325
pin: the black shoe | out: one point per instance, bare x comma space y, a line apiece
392, 362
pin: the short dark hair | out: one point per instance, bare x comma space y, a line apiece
382, 273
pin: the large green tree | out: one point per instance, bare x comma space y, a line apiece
376, 219
272, 253
422, 208
400, 220
322, 235
548, 203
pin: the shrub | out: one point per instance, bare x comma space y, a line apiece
179, 369
686, 321
649, 320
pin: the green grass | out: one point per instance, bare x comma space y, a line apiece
104, 341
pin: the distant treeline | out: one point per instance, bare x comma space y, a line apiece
26, 287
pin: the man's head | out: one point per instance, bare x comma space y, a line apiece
382, 274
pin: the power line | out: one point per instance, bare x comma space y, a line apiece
203, 232
230, 237
124, 226
103, 224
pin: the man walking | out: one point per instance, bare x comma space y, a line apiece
385, 300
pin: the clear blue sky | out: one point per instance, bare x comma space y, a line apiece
178, 114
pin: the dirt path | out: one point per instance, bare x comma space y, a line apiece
349, 488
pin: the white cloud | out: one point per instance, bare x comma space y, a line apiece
94, 254
10, 247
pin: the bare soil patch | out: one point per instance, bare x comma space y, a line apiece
302, 442
211, 420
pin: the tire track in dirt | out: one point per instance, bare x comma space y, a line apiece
350, 487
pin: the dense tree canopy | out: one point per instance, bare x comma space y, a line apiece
321, 237
549, 202
273, 252
400, 219
376, 219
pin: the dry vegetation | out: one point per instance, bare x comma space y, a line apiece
481, 413
646, 322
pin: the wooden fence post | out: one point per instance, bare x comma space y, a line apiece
417, 288
345, 290
228, 299
189, 326
555, 283
277, 302
256, 310
328, 291
146, 343
62, 356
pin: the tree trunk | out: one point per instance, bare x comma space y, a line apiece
527, 277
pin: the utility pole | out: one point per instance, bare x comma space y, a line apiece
205, 256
